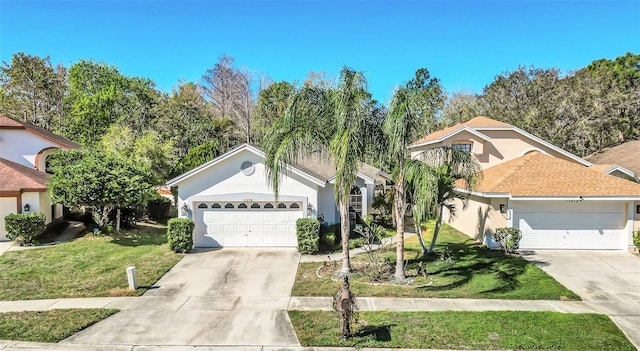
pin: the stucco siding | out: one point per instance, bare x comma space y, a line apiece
8, 205
29, 146
327, 207
45, 205
479, 219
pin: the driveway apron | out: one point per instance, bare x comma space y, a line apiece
234, 297
607, 280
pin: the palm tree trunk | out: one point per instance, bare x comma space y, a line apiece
436, 230
345, 230
399, 209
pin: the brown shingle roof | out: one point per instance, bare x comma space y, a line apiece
537, 174
10, 123
626, 155
479, 121
16, 177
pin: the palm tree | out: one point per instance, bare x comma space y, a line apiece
410, 116
442, 172
324, 122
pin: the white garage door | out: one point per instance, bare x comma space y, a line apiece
240, 224
588, 225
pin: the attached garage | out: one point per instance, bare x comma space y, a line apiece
242, 224
571, 224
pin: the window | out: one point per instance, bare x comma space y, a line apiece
355, 200
202, 206
255, 206
281, 205
294, 205
228, 205
268, 205
462, 146
216, 205
242, 206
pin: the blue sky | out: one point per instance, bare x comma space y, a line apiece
463, 43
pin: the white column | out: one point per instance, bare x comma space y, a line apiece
365, 207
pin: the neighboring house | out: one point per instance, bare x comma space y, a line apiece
23, 179
232, 202
622, 160
555, 198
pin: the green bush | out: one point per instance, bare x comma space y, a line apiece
23, 228
307, 232
180, 234
636, 239
329, 239
508, 239
357, 242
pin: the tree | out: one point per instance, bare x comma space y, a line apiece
33, 90
460, 107
411, 115
272, 103
325, 123
443, 170
199, 155
98, 181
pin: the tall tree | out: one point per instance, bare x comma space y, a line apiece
412, 114
324, 122
272, 103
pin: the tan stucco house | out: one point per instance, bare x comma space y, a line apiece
24, 149
558, 200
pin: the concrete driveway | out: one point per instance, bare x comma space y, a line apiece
607, 280
229, 297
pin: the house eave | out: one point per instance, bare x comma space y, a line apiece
448, 135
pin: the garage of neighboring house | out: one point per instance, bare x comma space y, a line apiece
573, 224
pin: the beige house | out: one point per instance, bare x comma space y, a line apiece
558, 200
24, 149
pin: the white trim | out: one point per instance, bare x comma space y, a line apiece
454, 132
576, 198
622, 170
367, 179
483, 194
531, 149
179, 179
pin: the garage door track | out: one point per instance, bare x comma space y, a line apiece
218, 297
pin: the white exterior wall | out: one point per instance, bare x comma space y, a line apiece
45, 205
226, 177
20, 146
8, 205
326, 199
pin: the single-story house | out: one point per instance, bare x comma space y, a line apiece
24, 149
558, 200
233, 204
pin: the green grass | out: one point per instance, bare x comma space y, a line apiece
88, 266
462, 269
514, 330
48, 326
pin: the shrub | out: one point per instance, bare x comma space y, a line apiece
23, 228
636, 239
180, 234
357, 242
508, 239
307, 232
329, 239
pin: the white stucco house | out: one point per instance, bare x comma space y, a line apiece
232, 202
558, 200
24, 149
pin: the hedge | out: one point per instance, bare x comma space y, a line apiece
24, 228
180, 234
307, 230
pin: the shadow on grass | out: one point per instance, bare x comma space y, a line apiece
378, 332
140, 237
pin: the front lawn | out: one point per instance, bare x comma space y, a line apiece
48, 326
461, 269
513, 330
87, 267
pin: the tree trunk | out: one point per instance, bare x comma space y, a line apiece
436, 230
345, 230
118, 220
399, 207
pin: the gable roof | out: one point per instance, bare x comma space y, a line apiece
318, 170
539, 175
626, 155
10, 123
15, 177
479, 124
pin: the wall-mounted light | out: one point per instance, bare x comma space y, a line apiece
185, 209
27, 208
503, 208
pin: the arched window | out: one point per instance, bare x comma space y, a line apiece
216, 205
281, 205
202, 206
355, 200
255, 205
294, 205
268, 205
228, 205
242, 206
